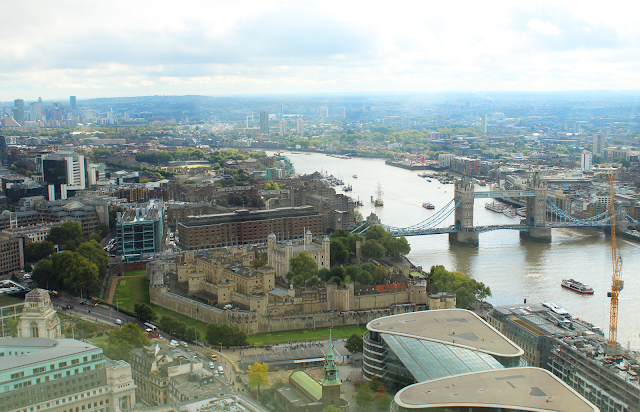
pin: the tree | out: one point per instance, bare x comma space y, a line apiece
172, 325
68, 234
384, 401
372, 249
331, 408
339, 251
364, 396
93, 251
75, 273
303, 265
223, 334
27, 267
102, 229
258, 375
397, 247
324, 274
144, 312
377, 233
43, 274
379, 274
121, 341
222, 202
354, 343
38, 250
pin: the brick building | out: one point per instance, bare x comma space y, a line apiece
245, 227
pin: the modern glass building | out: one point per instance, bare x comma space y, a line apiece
499, 390
404, 349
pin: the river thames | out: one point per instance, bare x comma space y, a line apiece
514, 269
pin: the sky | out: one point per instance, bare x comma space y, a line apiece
135, 48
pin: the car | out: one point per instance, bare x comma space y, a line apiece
212, 365
173, 343
119, 322
214, 357
215, 373
69, 306
185, 344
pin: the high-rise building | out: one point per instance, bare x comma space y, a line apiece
324, 112
18, 111
264, 122
598, 144
585, 163
64, 168
300, 126
483, 126
576, 127
283, 127
343, 113
280, 113
72, 101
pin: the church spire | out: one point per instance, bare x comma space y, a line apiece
330, 367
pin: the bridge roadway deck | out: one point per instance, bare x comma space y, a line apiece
482, 229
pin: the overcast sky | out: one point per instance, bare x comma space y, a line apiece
86, 48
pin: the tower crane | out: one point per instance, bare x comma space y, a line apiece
616, 284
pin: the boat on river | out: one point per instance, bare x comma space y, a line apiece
495, 206
428, 205
577, 286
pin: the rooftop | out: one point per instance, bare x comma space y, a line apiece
531, 389
456, 327
39, 350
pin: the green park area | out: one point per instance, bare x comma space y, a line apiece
140, 272
305, 335
132, 290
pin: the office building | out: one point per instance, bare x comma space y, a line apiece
324, 112
401, 350
585, 161
444, 159
140, 230
343, 113
247, 226
65, 170
483, 126
264, 122
164, 374
18, 111
497, 390
72, 102
280, 112
300, 126
598, 144
35, 111
576, 128
11, 254
575, 351
283, 127
61, 375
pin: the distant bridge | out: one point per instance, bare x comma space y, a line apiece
541, 216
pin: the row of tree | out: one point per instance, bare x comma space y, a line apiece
79, 270
225, 335
467, 289
178, 328
166, 156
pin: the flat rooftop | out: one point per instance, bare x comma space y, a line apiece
531, 389
458, 327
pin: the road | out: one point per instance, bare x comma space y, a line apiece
95, 313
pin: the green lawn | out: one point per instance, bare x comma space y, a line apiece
305, 335
136, 290
140, 272
131, 291
101, 340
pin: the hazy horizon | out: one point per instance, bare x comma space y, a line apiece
250, 48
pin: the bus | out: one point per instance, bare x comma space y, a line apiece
151, 326
131, 258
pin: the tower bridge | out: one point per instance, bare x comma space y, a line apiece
541, 216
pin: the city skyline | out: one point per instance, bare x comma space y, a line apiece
314, 47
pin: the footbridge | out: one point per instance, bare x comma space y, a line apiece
541, 216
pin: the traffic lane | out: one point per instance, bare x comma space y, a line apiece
105, 314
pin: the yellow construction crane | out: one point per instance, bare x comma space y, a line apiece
617, 284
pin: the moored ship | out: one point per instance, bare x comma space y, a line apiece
577, 286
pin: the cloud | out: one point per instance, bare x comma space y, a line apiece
546, 28
245, 46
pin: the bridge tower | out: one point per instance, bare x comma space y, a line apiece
537, 212
465, 234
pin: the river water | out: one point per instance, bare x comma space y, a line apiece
514, 269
